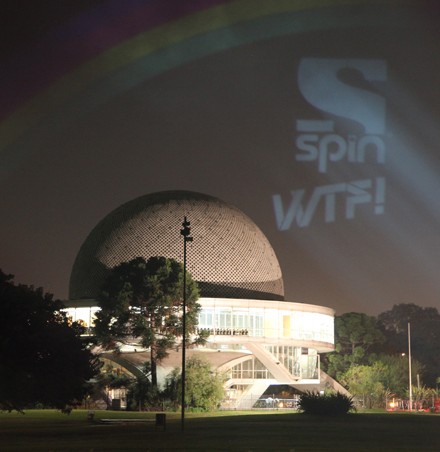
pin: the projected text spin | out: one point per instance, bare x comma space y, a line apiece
320, 84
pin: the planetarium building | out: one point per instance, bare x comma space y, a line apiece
256, 337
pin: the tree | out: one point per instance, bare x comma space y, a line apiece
142, 300
43, 358
387, 376
395, 373
397, 318
203, 389
425, 336
357, 337
365, 382
142, 392
357, 333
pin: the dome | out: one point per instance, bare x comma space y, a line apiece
229, 256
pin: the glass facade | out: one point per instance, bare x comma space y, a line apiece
249, 369
230, 317
229, 321
291, 333
299, 361
267, 322
84, 315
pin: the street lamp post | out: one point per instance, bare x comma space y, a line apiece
409, 367
185, 231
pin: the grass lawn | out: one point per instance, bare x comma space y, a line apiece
48, 430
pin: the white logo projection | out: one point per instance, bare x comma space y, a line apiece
317, 140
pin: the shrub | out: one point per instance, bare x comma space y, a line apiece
334, 404
203, 388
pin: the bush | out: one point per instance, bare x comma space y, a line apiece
203, 388
334, 404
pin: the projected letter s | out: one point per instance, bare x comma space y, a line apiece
319, 83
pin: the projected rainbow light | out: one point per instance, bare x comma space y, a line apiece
121, 44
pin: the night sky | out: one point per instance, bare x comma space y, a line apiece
321, 123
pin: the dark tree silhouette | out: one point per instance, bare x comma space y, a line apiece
43, 358
357, 338
425, 336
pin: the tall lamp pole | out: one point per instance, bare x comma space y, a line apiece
409, 367
185, 231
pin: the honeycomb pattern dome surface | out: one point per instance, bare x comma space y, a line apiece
229, 256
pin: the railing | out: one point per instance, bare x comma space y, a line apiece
224, 331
